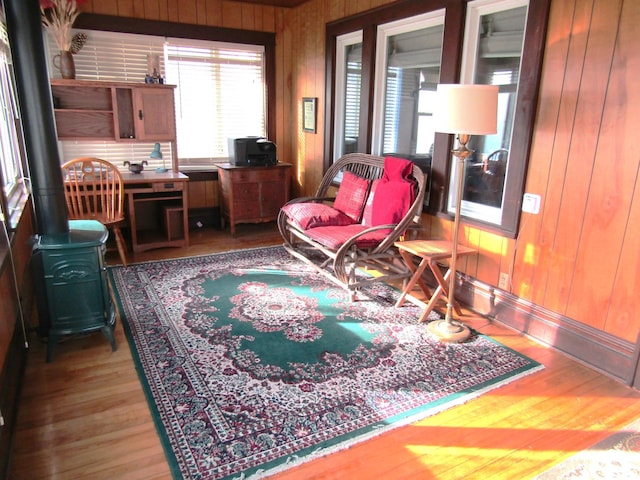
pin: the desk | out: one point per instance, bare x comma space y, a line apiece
157, 205
430, 252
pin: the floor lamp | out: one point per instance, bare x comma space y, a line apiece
463, 110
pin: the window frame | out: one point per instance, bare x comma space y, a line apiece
434, 18
14, 194
92, 21
450, 70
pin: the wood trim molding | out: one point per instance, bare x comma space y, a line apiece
605, 353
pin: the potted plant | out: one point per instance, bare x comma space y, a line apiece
58, 17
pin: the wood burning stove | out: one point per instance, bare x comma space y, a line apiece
73, 287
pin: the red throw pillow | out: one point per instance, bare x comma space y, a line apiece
395, 193
367, 213
309, 215
352, 195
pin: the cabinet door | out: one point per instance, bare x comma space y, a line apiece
246, 201
274, 192
154, 113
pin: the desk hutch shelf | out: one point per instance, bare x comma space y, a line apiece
118, 111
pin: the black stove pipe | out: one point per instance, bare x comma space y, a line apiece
34, 95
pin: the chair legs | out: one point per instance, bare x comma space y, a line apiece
122, 246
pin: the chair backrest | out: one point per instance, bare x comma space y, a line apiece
94, 189
371, 167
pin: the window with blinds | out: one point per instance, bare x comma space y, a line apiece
11, 145
220, 95
220, 91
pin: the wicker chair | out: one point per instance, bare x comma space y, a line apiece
339, 260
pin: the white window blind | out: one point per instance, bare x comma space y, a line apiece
352, 103
220, 92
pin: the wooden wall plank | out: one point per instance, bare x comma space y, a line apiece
214, 12
531, 238
187, 12
248, 16
102, 8
164, 10
592, 95
268, 23
125, 8
151, 9
624, 317
201, 12
334, 10
551, 255
173, 10
231, 14
9, 310
613, 183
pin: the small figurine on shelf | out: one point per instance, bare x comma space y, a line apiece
153, 70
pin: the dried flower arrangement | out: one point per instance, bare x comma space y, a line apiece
58, 17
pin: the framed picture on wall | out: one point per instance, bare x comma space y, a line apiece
309, 114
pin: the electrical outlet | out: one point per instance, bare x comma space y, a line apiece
531, 203
503, 283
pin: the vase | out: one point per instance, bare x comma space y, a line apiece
65, 64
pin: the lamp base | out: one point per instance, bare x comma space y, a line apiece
452, 332
161, 170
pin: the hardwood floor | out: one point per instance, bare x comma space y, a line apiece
85, 416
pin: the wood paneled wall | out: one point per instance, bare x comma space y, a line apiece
579, 257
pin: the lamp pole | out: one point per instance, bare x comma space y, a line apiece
449, 329
463, 110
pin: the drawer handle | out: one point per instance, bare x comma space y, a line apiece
168, 185
140, 115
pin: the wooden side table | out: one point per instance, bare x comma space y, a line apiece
252, 194
430, 252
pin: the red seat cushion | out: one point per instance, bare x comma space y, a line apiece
308, 215
335, 237
351, 195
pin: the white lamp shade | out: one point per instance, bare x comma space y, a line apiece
467, 109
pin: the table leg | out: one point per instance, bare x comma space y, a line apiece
415, 278
443, 284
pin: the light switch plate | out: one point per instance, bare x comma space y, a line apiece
531, 203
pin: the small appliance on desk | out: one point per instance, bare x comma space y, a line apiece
252, 152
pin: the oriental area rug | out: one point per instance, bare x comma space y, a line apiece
615, 457
253, 363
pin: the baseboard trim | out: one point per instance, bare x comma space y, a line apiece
597, 349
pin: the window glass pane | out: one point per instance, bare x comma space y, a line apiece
348, 88
407, 75
493, 50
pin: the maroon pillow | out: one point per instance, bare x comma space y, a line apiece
309, 215
352, 195
395, 193
367, 213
